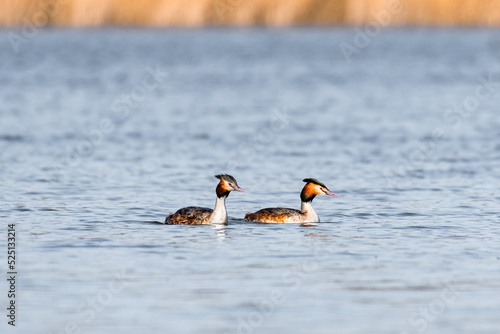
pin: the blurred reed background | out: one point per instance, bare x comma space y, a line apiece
245, 12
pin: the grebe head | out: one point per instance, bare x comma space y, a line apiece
314, 188
226, 185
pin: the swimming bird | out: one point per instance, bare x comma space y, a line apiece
306, 214
193, 215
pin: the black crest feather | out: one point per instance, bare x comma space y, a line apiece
315, 182
227, 178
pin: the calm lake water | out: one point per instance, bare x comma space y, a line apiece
103, 132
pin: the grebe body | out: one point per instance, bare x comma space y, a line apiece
306, 214
193, 215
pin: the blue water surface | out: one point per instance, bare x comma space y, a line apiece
103, 132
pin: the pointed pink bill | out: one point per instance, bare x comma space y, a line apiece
238, 189
329, 193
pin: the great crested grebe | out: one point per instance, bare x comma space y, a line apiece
283, 215
193, 215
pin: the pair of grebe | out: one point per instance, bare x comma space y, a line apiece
193, 215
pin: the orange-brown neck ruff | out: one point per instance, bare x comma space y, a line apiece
221, 190
308, 192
